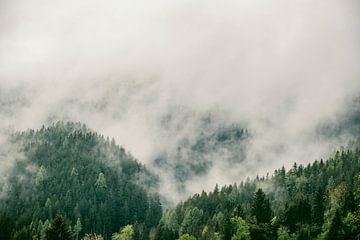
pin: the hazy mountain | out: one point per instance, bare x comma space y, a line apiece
204, 94
202, 143
70, 170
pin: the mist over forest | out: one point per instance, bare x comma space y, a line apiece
131, 117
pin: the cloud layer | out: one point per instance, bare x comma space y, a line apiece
281, 68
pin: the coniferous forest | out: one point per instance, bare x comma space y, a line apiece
180, 120
72, 183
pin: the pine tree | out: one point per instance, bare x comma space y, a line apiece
58, 230
334, 232
319, 208
78, 228
261, 207
6, 226
241, 229
127, 233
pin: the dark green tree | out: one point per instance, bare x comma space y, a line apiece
335, 231
261, 207
318, 208
6, 226
58, 230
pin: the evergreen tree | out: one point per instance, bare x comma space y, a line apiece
283, 234
335, 231
127, 233
319, 208
241, 229
58, 230
6, 226
23, 234
192, 221
261, 207
77, 228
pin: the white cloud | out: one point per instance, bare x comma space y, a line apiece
281, 67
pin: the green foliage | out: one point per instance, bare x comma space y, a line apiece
127, 233
168, 227
72, 171
22, 234
101, 181
93, 236
283, 234
77, 228
261, 207
169, 219
335, 228
241, 229
98, 187
187, 237
352, 222
58, 230
319, 201
192, 221
41, 175
6, 226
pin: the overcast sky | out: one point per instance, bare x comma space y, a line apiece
281, 68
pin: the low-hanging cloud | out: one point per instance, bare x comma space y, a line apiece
280, 68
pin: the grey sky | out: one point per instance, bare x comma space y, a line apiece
279, 67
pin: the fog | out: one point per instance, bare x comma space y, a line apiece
282, 69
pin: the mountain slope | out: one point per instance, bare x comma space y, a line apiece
317, 201
68, 169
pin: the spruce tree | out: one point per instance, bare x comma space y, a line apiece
58, 230
261, 207
335, 231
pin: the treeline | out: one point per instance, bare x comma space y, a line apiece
317, 201
68, 170
72, 183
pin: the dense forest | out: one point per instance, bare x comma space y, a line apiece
73, 183
71, 171
317, 201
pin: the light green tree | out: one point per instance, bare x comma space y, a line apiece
169, 219
101, 181
127, 233
40, 175
352, 220
48, 206
283, 234
44, 228
92, 236
39, 227
187, 237
216, 236
77, 228
336, 197
74, 172
192, 221
242, 231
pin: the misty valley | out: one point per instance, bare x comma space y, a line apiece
180, 120
69, 182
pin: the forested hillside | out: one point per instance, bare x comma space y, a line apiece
317, 201
72, 183
71, 171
